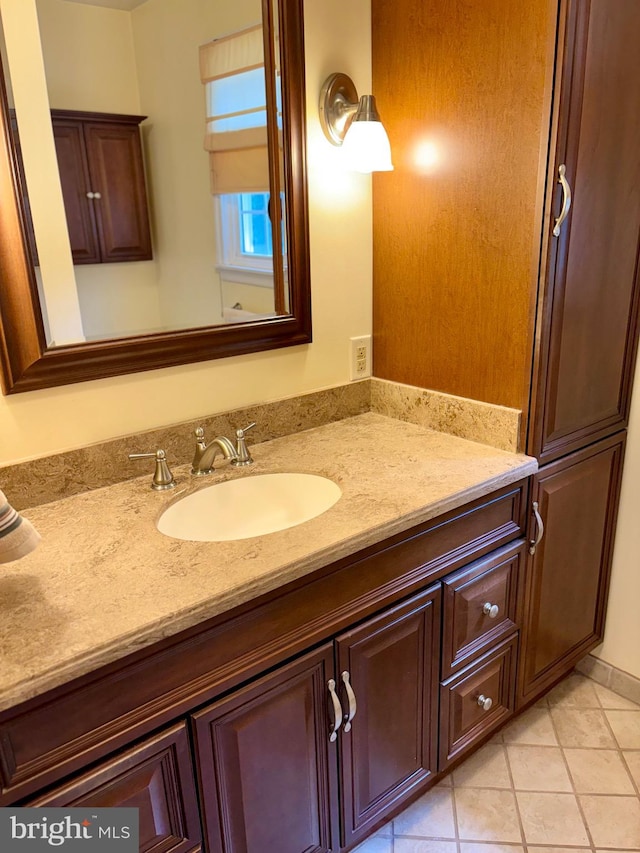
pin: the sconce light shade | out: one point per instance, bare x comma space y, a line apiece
354, 124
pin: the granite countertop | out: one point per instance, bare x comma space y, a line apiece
104, 582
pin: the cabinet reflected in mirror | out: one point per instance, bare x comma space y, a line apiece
215, 98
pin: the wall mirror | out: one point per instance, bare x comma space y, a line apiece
153, 206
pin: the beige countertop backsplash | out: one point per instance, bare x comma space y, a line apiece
104, 582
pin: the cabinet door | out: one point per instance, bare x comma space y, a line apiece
268, 770
568, 576
156, 778
117, 175
76, 187
390, 749
592, 289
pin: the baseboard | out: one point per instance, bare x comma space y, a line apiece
609, 676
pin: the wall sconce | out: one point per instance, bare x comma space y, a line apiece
355, 124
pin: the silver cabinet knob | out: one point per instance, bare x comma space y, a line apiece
491, 610
485, 702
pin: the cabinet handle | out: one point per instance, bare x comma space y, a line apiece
533, 543
485, 702
337, 711
353, 705
91, 195
491, 610
566, 199
97, 195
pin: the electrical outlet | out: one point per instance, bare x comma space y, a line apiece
360, 361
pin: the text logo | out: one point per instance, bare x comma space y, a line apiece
72, 830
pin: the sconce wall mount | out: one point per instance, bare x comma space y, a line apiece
338, 105
354, 121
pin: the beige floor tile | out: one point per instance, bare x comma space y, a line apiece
375, 844
533, 727
582, 728
598, 771
626, 728
417, 845
576, 691
481, 847
613, 821
538, 768
551, 819
431, 816
487, 768
632, 760
609, 699
538, 849
487, 815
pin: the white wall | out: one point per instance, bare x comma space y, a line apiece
42, 422
621, 646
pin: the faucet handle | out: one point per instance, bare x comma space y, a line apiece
162, 476
243, 457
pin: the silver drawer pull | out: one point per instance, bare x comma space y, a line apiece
491, 610
337, 711
533, 543
566, 199
485, 702
353, 705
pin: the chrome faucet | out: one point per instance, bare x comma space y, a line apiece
206, 453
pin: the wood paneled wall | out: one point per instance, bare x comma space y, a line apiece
464, 90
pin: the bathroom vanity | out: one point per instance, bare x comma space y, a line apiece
290, 692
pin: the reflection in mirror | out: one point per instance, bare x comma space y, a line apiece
212, 258
161, 158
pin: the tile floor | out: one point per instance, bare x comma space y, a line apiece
562, 777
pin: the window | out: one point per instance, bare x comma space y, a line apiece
245, 236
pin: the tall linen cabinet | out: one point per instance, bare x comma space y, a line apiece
506, 248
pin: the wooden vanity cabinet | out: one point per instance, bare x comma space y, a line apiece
251, 689
103, 187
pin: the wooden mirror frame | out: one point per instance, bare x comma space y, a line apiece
27, 363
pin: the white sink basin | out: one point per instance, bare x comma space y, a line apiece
249, 506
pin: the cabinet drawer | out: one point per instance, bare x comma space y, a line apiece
479, 606
463, 719
155, 777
